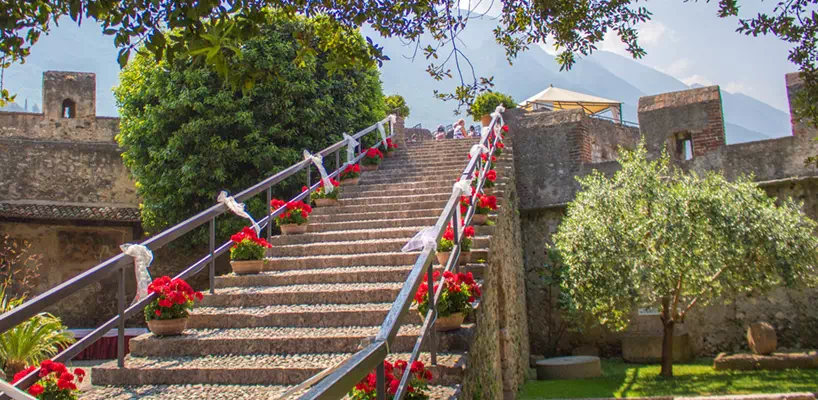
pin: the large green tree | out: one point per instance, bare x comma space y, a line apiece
655, 236
211, 29
187, 134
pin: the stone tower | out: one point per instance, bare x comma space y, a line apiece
69, 95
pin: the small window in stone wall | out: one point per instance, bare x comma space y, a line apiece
684, 146
69, 109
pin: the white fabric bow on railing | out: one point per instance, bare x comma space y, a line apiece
142, 259
498, 113
477, 150
382, 131
238, 209
424, 239
351, 145
319, 163
461, 188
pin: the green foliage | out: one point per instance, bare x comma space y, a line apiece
188, 134
320, 193
620, 380
397, 104
247, 250
214, 31
176, 310
487, 102
32, 341
446, 245
654, 235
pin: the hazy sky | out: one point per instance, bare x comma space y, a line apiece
685, 40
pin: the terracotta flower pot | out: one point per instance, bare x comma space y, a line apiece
167, 327
480, 219
326, 202
349, 182
485, 120
488, 192
369, 167
450, 323
293, 229
247, 266
443, 258
390, 153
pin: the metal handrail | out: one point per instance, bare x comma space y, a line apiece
119, 262
347, 374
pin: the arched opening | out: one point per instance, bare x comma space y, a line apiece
684, 146
69, 109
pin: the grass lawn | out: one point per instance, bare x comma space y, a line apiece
699, 378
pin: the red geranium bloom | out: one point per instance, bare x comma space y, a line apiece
505, 128
22, 374
35, 390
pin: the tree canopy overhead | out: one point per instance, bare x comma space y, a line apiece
212, 29
187, 135
654, 236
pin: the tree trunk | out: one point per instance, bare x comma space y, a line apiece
667, 342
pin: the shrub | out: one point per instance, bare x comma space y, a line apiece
396, 104
459, 292
247, 245
32, 341
446, 243
418, 382
297, 212
174, 299
321, 194
487, 102
56, 383
373, 157
188, 135
351, 172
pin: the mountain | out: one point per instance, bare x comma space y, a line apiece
602, 74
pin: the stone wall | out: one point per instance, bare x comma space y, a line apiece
552, 149
67, 251
498, 360
38, 127
68, 172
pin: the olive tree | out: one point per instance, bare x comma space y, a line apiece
653, 235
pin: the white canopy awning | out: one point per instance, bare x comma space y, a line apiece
561, 99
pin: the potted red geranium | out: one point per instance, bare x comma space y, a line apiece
168, 313
483, 206
294, 219
390, 147
446, 244
366, 389
488, 185
56, 381
460, 291
372, 159
350, 174
323, 199
248, 251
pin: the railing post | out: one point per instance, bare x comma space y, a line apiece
120, 334
269, 214
309, 184
212, 272
338, 162
457, 238
432, 338
380, 382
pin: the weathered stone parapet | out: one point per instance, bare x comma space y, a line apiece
498, 359
800, 128
670, 118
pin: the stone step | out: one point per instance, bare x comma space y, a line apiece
257, 369
440, 178
427, 158
320, 293
303, 315
220, 392
415, 175
395, 205
365, 215
349, 260
360, 234
386, 223
452, 164
389, 201
398, 196
357, 274
285, 340
353, 247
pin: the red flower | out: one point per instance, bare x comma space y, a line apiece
35, 390
66, 384
468, 231
505, 128
304, 188
373, 152
416, 366
22, 374
491, 175
157, 312
165, 303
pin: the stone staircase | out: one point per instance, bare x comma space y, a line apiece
323, 293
